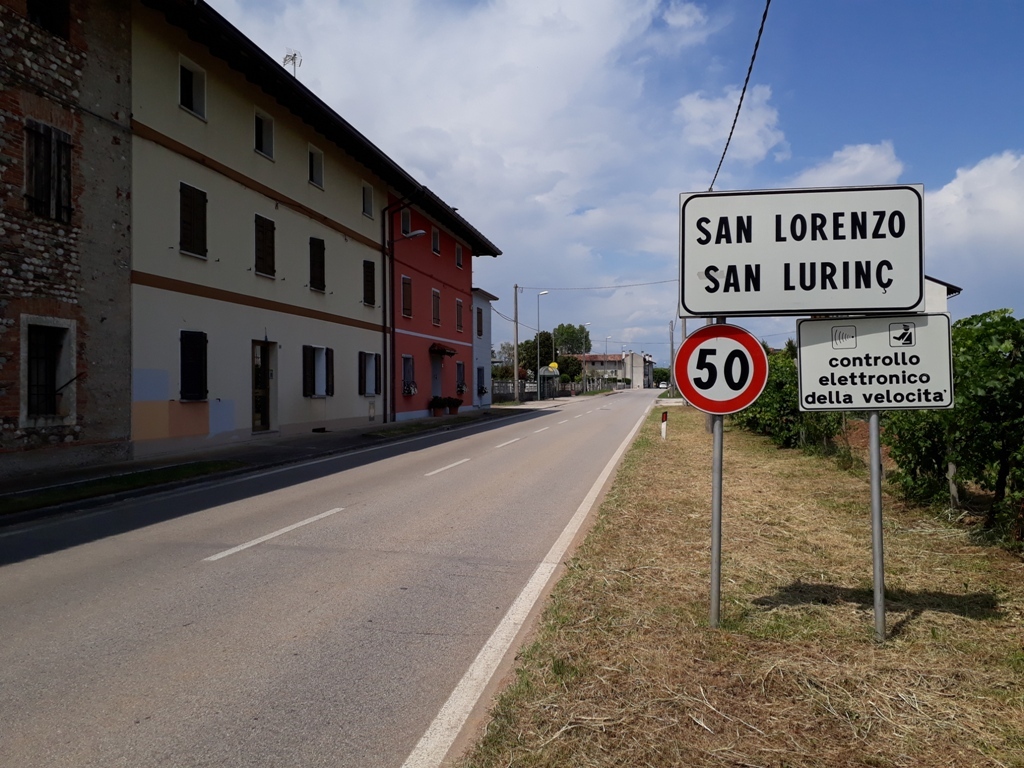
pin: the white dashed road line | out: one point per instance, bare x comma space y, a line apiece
270, 536
442, 469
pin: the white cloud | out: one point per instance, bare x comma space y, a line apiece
706, 123
855, 165
974, 235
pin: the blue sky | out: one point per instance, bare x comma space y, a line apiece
565, 130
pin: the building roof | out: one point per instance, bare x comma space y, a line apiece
951, 290
207, 27
485, 294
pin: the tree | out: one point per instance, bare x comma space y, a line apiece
661, 374
572, 339
506, 353
570, 366
528, 352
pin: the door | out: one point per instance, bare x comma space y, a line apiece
435, 375
260, 386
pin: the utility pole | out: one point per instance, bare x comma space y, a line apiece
515, 336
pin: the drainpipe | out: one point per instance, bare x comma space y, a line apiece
387, 260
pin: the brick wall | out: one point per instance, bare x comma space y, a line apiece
76, 270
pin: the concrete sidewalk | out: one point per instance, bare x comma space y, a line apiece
264, 451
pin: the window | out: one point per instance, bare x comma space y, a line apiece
369, 374
192, 88
369, 284
317, 271
193, 365
52, 15
264, 134
406, 221
435, 241
460, 376
458, 315
436, 306
367, 200
317, 371
264, 246
479, 322
44, 354
192, 220
48, 371
316, 167
406, 296
408, 375
458, 256
48, 171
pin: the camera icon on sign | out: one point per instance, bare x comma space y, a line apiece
844, 337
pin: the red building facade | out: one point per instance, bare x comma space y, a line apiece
431, 307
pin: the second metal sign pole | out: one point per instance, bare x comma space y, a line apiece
878, 558
717, 428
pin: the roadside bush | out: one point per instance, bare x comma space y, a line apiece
776, 413
983, 435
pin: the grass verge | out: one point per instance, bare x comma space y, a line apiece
115, 484
624, 670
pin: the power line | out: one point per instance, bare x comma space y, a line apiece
742, 94
597, 287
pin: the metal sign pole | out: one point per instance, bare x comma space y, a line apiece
876, 525
717, 427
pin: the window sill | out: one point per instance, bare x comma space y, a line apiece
261, 153
192, 112
318, 289
266, 275
368, 215
187, 400
318, 186
193, 255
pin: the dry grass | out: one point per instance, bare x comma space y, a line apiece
626, 672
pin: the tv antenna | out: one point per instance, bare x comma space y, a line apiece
294, 58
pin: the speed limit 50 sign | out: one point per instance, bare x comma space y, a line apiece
720, 369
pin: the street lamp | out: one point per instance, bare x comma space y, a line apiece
583, 359
542, 293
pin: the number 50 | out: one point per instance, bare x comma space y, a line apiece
735, 380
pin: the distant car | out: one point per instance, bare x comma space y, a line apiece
663, 385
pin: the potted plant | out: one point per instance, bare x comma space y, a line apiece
453, 404
437, 405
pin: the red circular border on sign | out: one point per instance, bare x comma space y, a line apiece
758, 377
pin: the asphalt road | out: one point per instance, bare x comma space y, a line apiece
315, 615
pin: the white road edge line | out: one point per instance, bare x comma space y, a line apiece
269, 536
537, 431
432, 747
509, 442
442, 469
